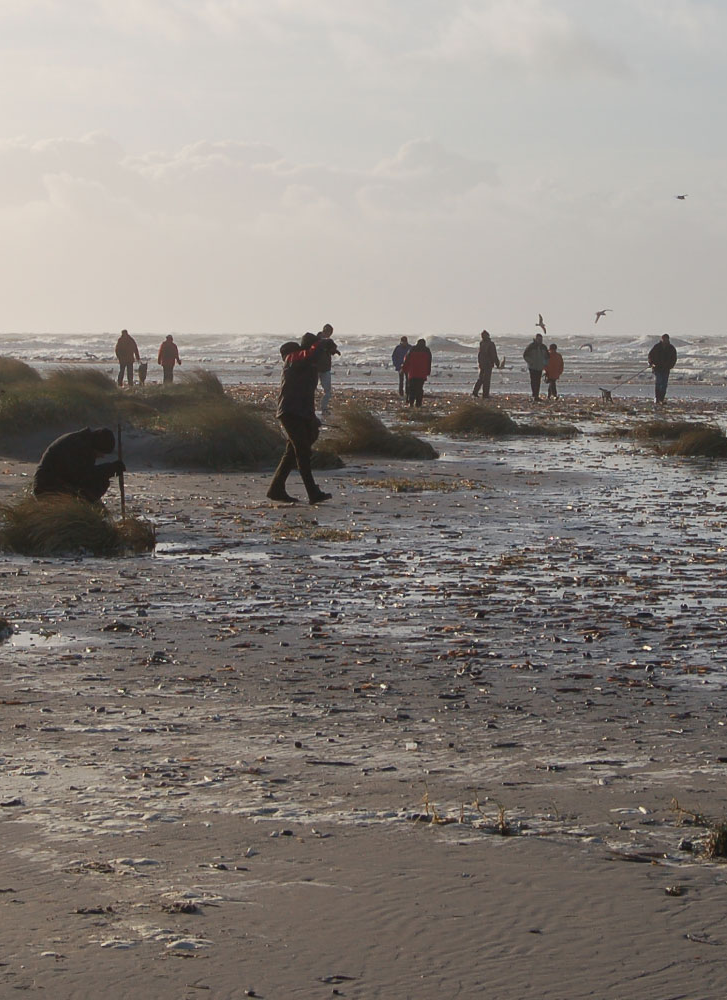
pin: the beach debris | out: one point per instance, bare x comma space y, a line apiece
6, 629
181, 906
674, 890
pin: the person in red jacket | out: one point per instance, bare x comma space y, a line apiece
553, 370
417, 366
168, 358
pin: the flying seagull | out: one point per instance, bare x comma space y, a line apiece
541, 324
602, 312
680, 197
589, 346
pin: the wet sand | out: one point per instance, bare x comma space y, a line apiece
399, 745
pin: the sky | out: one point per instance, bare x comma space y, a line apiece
389, 166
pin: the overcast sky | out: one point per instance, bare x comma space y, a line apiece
389, 166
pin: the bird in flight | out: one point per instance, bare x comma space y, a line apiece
602, 312
541, 324
680, 197
589, 346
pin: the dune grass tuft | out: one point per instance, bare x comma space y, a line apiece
219, 433
667, 430
709, 442
200, 380
68, 397
13, 371
360, 432
489, 421
54, 525
79, 378
472, 418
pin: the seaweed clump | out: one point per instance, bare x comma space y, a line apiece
54, 525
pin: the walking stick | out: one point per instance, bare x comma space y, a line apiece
122, 489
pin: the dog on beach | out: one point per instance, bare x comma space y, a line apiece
142, 370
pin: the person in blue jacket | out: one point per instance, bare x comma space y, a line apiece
397, 359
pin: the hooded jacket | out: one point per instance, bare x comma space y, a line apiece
418, 362
536, 355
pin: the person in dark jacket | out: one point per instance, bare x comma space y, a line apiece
68, 465
397, 359
418, 367
168, 357
324, 367
296, 412
126, 353
487, 359
662, 358
536, 357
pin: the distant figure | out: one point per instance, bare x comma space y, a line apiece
417, 367
541, 324
536, 357
553, 370
297, 413
127, 353
600, 313
662, 358
142, 370
397, 359
487, 359
68, 465
168, 357
324, 368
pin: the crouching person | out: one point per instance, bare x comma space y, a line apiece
297, 414
68, 465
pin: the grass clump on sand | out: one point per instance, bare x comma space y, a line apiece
667, 430
360, 432
13, 371
54, 525
472, 418
218, 433
67, 397
709, 442
489, 421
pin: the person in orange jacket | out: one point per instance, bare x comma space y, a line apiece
553, 370
417, 365
168, 358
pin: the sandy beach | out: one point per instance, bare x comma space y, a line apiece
416, 744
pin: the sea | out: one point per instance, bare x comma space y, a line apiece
592, 363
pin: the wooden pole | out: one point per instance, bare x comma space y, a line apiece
122, 489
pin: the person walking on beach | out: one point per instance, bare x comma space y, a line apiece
487, 359
168, 357
324, 368
126, 353
662, 358
553, 370
397, 359
68, 465
536, 357
417, 367
297, 413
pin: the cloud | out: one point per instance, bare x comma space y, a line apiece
528, 36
